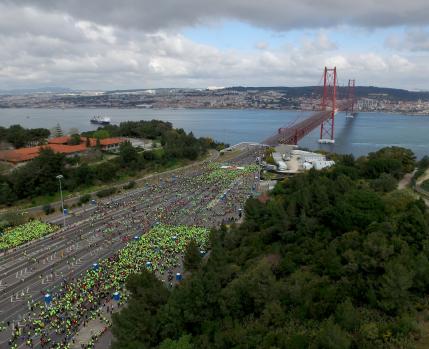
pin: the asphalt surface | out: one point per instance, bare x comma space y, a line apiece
30, 271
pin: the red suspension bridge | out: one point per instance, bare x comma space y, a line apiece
325, 117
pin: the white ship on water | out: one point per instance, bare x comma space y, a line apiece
100, 120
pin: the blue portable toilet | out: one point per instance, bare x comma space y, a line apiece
95, 266
66, 211
47, 298
174, 237
93, 202
148, 264
178, 277
116, 296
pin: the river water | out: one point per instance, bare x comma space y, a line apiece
365, 133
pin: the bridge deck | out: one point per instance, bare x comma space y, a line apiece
294, 133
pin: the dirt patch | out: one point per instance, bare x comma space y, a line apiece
421, 179
406, 180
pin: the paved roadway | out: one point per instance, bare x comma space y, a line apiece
28, 272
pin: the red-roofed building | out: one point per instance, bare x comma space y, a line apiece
68, 149
19, 155
111, 144
59, 140
107, 144
59, 145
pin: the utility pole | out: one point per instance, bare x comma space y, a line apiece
59, 177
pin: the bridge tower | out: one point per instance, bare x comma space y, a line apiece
351, 99
329, 102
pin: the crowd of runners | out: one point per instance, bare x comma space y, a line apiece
21, 234
156, 222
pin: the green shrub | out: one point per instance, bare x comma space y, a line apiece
106, 192
425, 185
130, 185
48, 209
84, 199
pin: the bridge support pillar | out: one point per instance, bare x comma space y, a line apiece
351, 99
329, 101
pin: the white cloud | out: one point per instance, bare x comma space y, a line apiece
65, 46
274, 14
413, 39
261, 45
319, 43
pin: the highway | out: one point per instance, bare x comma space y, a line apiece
28, 272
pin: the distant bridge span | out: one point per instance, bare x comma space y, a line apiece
324, 118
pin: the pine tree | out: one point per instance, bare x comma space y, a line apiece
192, 256
57, 131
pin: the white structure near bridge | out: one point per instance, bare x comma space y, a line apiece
290, 160
309, 160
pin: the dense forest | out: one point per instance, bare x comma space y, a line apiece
38, 177
334, 259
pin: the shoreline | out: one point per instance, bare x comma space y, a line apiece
202, 108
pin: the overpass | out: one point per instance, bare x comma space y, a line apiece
325, 117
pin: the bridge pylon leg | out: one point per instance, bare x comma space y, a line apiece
329, 100
327, 129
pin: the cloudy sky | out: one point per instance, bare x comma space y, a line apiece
106, 44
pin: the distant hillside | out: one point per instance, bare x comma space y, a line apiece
292, 92
361, 91
27, 91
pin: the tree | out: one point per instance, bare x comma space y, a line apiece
183, 342
385, 183
7, 196
331, 336
347, 316
101, 134
17, 136
192, 260
38, 177
395, 285
128, 155
38, 135
57, 131
74, 139
148, 295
